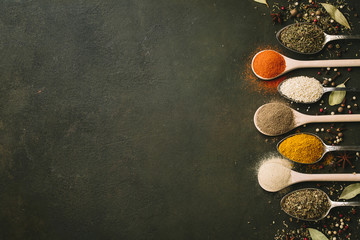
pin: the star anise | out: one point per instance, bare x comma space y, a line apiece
344, 158
276, 17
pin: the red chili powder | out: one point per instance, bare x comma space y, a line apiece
252, 83
269, 64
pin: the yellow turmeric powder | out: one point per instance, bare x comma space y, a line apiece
302, 148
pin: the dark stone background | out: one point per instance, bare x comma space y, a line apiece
131, 120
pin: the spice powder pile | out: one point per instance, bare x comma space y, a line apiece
274, 118
302, 148
268, 64
274, 174
251, 81
306, 204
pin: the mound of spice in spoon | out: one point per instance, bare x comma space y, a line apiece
268, 64
274, 174
308, 204
302, 89
302, 148
275, 118
303, 37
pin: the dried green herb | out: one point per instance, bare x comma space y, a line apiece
316, 234
336, 97
351, 191
303, 37
306, 204
262, 1
336, 14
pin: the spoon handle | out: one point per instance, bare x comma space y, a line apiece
327, 63
331, 89
341, 37
345, 204
332, 118
342, 148
337, 177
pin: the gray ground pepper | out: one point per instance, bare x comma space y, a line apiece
275, 118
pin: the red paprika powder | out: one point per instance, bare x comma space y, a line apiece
269, 64
252, 83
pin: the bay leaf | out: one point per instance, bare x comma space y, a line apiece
336, 97
316, 234
262, 1
336, 14
350, 191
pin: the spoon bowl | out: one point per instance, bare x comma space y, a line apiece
331, 204
326, 148
327, 38
300, 119
292, 64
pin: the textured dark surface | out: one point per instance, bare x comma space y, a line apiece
131, 120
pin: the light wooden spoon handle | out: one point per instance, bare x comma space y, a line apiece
332, 118
328, 63
337, 177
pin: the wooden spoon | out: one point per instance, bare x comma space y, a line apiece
292, 64
301, 119
296, 177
